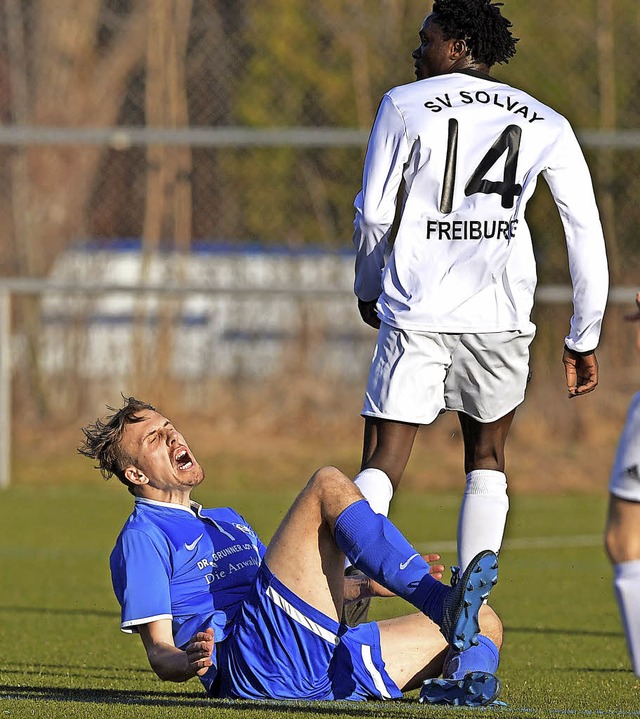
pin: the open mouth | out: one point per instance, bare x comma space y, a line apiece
183, 459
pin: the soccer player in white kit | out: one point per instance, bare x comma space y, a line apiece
445, 266
622, 534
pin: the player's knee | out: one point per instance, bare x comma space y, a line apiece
487, 452
622, 543
491, 625
484, 443
612, 544
329, 480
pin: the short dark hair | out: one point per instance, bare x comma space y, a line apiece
481, 24
102, 439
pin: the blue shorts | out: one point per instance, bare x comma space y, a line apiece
282, 648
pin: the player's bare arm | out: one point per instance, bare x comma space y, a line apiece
581, 371
173, 664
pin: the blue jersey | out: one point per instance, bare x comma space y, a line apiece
193, 566
203, 568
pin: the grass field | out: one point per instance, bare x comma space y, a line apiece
62, 654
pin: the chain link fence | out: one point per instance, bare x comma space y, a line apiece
220, 143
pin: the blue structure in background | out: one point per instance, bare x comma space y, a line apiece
250, 306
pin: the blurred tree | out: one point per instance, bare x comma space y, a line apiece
168, 199
591, 81
68, 66
167, 208
325, 63
212, 64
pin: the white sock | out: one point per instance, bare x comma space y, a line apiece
483, 514
377, 489
626, 583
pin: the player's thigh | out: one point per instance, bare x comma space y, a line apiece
302, 553
622, 533
279, 646
407, 375
489, 373
413, 649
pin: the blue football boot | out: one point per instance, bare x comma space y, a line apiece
460, 625
476, 689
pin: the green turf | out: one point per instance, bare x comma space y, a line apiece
62, 655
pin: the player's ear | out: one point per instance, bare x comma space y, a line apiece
459, 49
135, 476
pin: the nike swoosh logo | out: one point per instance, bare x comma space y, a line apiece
193, 544
404, 565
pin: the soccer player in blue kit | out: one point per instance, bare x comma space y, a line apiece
445, 266
209, 599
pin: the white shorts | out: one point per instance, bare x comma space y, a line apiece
416, 375
625, 475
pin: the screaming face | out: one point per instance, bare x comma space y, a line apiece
161, 458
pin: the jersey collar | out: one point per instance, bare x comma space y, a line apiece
477, 73
164, 505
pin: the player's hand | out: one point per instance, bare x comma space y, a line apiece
437, 570
199, 651
368, 313
581, 372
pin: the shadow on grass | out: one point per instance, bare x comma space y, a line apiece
164, 699
599, 670
67, 671
65, 611
101, 696
561, 632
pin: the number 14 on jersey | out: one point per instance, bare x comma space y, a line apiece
507, 188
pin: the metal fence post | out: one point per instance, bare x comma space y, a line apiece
5, 387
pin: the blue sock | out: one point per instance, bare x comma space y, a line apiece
373, 544
481, 658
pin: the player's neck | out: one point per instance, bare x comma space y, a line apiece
467, 65
172, 496
475, 72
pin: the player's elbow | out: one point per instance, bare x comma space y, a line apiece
374, 219
167, 671
161, 673
374, 226
170, 675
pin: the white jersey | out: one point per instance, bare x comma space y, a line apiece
625, 474
466, 150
